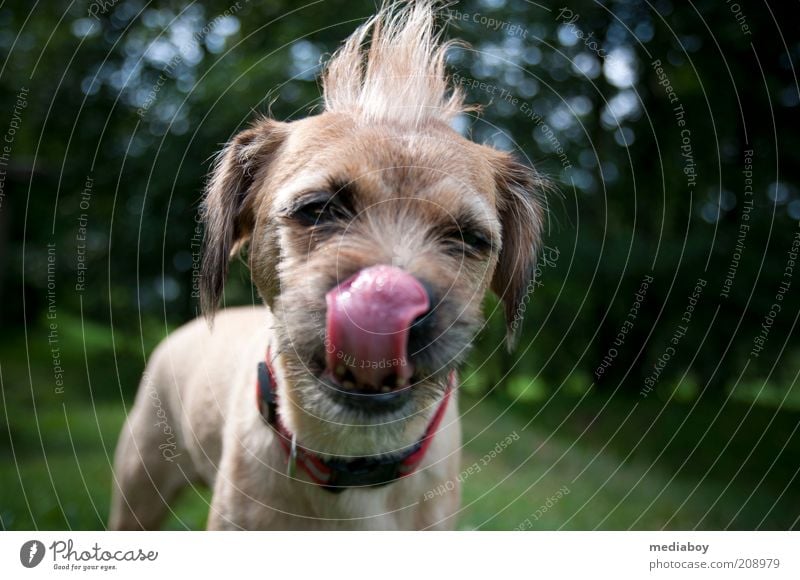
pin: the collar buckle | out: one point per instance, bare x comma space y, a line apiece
291, 463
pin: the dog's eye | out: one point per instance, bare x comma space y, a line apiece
317, 212
475, 240
471, 240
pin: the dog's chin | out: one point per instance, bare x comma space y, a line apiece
345, 402
367, 402
332, 421
336, 400
395, 405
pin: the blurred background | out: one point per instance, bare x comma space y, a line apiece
655, 383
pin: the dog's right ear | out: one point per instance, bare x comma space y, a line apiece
228, 208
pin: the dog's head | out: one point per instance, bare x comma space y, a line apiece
374, 231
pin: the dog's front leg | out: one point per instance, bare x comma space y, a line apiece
250, 480
223, 514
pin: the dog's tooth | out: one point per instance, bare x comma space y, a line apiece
340, 370
400, 382
348, 385
385, 389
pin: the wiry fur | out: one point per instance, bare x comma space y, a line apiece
393, 69
406, 181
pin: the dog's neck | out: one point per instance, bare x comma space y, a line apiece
336, 474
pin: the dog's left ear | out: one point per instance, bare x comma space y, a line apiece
228, 208
520, 190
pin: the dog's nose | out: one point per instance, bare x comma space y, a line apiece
368, 321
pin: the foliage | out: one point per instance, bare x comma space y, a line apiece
136, 100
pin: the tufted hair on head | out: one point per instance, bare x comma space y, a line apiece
393, 69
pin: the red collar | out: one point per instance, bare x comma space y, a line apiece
337, 474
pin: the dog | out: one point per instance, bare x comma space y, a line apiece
373, 231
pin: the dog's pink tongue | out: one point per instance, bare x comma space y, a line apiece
368, 320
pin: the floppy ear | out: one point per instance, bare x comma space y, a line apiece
519, 190
228, 207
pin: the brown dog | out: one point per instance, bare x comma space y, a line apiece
374, 231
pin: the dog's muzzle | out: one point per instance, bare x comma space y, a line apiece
369, 319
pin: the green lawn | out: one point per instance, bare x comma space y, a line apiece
601, 451
585, 447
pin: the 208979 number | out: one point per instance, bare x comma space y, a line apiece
757, 563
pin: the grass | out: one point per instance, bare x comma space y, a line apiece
63, 480
597, 449
614, 458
